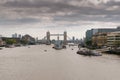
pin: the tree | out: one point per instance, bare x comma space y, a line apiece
24, 42
89, 43
10, 41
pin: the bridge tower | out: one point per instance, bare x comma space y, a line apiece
48, 37
65, 38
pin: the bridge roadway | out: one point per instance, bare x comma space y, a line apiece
56, 34
34, 63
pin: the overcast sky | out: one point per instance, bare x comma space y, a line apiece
35, 17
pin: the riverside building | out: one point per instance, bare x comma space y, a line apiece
113, 39
99, 39
90, 33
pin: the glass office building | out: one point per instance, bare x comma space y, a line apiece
90, 33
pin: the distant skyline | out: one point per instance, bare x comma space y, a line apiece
36, 17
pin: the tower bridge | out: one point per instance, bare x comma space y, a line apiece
47, 39
66, 38
48, 35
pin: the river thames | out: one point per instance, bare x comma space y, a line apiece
42, 62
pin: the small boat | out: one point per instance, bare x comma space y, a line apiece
64, 47
45, 50
72, 44
1, 48
95, 53
9, 46
83, 51
88, 52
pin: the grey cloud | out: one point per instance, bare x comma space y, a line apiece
18, 21
87, 10
78, 17
113, 3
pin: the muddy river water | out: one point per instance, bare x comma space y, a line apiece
42, 62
